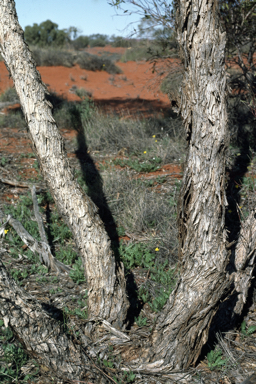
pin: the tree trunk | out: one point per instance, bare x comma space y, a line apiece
42, 336
183, 326
105, 278
182, 329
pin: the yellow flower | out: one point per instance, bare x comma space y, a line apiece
6, 230
145, 152
103, 65
155, 141
237, 186
157, 249
154, 136
229, 211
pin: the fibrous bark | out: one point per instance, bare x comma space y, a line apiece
106, 283
41, 335
182, 329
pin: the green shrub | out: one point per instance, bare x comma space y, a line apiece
13, 119
97, 43
81, 42
9, 94
136, 54
52, 57
215, 359
77, 272
135, 255
119, 41
95, 63
98, 40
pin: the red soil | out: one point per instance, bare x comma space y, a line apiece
136, 89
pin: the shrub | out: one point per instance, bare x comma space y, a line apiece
52, 57
9, 94
112, 134
95, 63
119, 41
136, 54
81, 42
98, 43
98, 40
14, 119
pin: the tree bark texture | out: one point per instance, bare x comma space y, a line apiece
106, 283
182, 328
41, 335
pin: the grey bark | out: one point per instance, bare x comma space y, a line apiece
106, 283
182, 328
41, 335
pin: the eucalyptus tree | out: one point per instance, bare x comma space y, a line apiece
182, 327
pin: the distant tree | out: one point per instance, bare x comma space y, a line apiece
32, 34
119, 41
81, 42
46, 34
98, 40
72, 32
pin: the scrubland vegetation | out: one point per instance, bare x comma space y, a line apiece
111, 154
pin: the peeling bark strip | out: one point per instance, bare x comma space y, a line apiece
182, 328
106, 283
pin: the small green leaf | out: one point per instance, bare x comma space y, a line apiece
251, 329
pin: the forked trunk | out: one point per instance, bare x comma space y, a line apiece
105, 278
182, 328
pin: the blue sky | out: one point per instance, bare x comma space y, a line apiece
91, 16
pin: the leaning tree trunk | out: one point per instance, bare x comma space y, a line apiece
106, 283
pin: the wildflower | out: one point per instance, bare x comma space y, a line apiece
6, 230
229, 211
145, 152
157, 249
154, 136
155, 141
237, 186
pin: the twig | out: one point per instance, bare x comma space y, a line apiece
37, 216
101, 371
15, 183
40, 247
